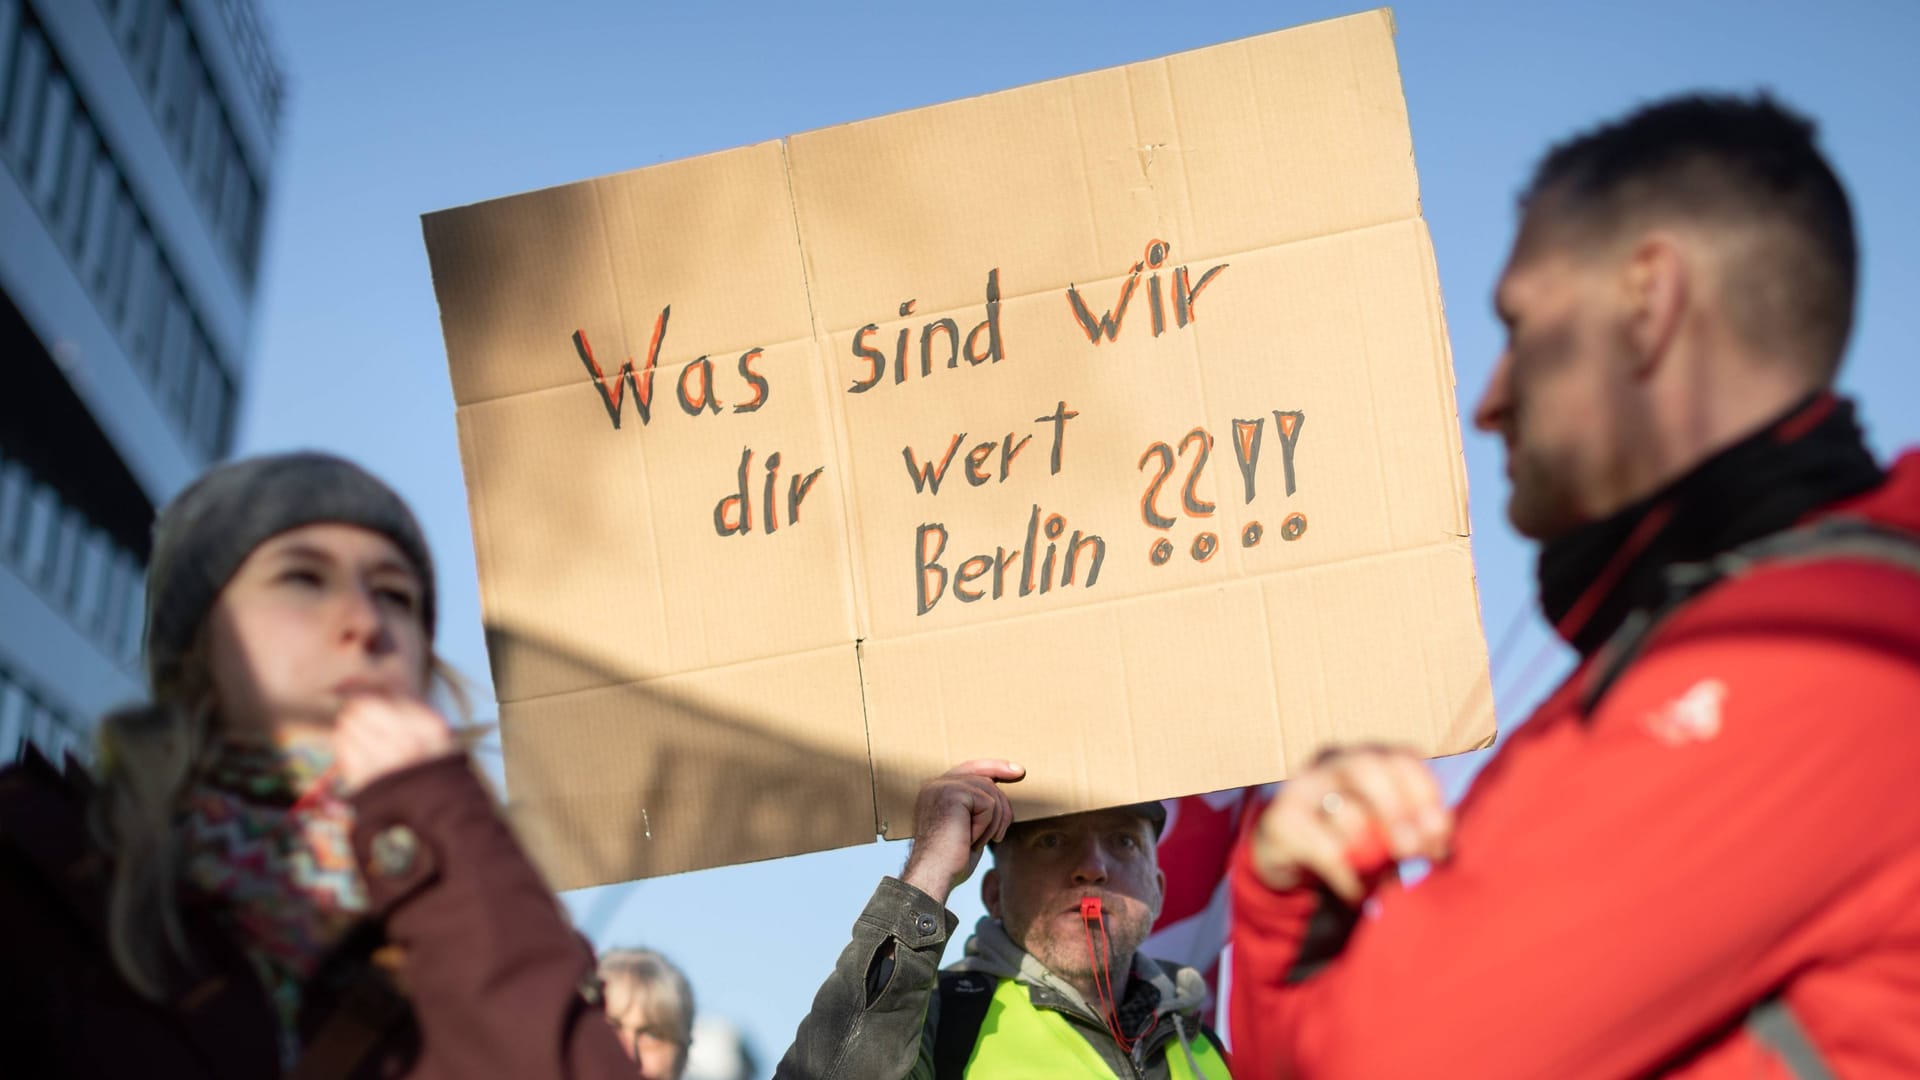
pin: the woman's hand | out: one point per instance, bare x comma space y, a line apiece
377, 734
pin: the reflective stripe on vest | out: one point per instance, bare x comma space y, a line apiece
1018, 1042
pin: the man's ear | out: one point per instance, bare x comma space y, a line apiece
990, 891
1658, 288
1159, 892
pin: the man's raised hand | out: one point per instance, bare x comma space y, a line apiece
956, 814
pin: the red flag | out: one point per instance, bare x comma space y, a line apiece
1195, 849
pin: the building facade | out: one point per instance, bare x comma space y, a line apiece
136, 144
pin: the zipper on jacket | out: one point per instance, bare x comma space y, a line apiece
1136, 1061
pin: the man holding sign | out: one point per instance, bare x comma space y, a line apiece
1699, 855
1069, 900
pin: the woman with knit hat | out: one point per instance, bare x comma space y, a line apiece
285, 864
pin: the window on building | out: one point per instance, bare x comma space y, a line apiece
72, 561
150, 314
83, 585
120, 247
144, 286
144, 55
56, 115
229, 406
57, 565
96, 238
133, 622
209, 397
208, 125
250, 223
27, 547
160, 48
76, 182
176, 335
9, 37
121, 599
235, 188
13, 501
29, 82
176, 59
14, 710
55, 148
40, 723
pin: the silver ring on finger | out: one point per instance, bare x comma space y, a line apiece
1331, 804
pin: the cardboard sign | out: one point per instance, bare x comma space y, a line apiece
1105, 424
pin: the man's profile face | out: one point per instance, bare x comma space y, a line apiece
1559, 388
1043, 870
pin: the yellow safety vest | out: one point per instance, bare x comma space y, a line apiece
1020, 1042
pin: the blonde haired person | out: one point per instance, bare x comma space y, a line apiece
650, 1006
285, 865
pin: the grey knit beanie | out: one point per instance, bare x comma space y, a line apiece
206, 532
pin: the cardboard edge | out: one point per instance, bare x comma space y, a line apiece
1448, 384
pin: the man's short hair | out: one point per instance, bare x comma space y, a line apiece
1746, 163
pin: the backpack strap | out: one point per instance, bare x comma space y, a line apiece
1773, 1025
964, 998
1836, 536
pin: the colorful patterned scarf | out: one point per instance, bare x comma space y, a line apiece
268, 840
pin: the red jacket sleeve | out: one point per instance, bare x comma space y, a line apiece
1624, 887
494, 971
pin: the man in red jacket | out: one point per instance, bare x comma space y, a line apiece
1701, 856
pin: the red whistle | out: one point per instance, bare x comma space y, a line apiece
1090, 908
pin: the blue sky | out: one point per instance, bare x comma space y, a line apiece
400, 109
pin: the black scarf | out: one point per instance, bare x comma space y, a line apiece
1813, 455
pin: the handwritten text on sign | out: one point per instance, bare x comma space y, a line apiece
1069, 558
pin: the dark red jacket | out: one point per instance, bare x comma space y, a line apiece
496, 982
1739, 817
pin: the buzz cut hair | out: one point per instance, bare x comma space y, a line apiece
1745, 165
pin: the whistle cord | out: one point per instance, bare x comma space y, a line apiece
1101, 955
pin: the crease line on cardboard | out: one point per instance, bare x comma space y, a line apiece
1375, 433
1117, 644
646, 472
866, 728
482, 536
836, 418
1086, 187
826, 384
1323, 708
1449, 388
1273, 682
1185, 204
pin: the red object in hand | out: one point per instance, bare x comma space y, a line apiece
1370, 854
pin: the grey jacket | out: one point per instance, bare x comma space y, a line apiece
876, 1016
